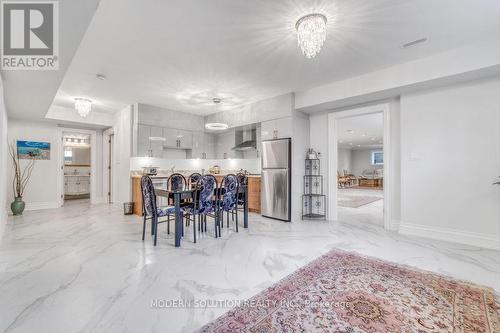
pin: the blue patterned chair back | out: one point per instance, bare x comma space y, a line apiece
204, 195
193, 179
242, 179
230, 184
148, 196
176, 182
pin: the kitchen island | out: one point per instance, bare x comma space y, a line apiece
254, 182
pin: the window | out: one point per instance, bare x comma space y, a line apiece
377, 157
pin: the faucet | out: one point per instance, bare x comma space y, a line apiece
202, 172
172, 169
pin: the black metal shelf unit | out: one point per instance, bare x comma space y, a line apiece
313, 199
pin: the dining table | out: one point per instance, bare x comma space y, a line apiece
179, 196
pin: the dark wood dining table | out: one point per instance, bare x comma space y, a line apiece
179, 196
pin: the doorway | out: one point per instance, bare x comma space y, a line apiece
360, 168
373, 188
77, 167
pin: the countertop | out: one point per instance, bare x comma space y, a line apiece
166, 176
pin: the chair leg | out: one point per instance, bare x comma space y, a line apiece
182, 226
155, 222
144, 227
194, 228
168, 224
236, 211
227, 218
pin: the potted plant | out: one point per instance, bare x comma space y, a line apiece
20, 181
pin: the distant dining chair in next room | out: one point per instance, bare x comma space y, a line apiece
228, 199
151, 211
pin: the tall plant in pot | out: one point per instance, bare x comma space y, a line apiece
20, 181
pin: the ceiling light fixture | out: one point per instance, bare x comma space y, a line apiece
311, 33
83, 106
216, 126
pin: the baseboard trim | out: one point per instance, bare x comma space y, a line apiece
449, 235
41, 205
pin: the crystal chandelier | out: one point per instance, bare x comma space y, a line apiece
83, 106
311, 33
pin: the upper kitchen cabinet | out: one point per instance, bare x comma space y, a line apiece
277, 128
156, 141
203, 145
143, 143
177, 139
185, 139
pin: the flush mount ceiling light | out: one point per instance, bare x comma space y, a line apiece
83, 106
216, 126
311, 33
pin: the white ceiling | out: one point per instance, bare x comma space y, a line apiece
29, 94
178, 54
361, 132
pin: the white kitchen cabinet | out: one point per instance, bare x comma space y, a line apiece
185, 139
277, 129
143, 143
170, 136
156, 144
203, 145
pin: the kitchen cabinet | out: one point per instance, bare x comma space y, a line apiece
185, 139
143, 143
277, 129
203, 145
156, 146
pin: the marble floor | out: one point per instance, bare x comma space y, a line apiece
372, 213
84, 268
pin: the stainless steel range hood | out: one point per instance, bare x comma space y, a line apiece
245, 139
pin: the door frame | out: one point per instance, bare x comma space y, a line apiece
333, 119
93, 163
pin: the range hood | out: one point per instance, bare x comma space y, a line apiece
245, 140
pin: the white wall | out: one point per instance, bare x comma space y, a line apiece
344, 160
122, 184
38, 195
4, 161
362, 160
300, 144
450, 147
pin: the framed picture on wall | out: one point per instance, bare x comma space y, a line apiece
33, 149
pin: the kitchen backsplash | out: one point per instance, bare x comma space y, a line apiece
251, 165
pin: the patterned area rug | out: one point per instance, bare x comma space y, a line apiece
355, 201
344, 292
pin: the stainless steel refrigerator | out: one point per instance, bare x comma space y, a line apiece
276, 179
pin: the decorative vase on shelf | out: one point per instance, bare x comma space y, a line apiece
17, 206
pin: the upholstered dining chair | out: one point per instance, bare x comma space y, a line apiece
228, 198
203, 206
192, 179
242, 182
152, 211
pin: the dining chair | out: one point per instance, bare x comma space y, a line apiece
203, 206
228, 199
242, 183
151, 210
192, 179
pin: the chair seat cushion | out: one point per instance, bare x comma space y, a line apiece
166, 210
